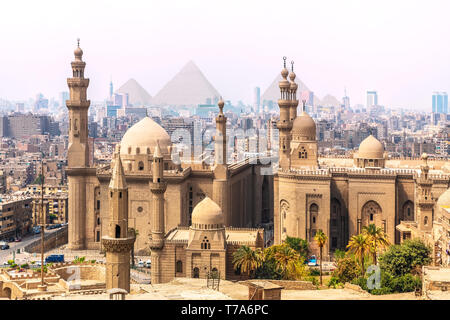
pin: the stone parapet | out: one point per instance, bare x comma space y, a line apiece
118, 244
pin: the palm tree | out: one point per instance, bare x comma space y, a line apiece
359, 245
321, 239
247, 259
288, 261
135, 233
377, 238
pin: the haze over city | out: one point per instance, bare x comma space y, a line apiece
397, 48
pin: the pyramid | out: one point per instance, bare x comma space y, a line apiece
189, 87
137, 95
329, 101
272, 93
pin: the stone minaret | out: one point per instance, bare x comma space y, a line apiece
424, 198
157, 187
78, 151
220, 182
118, 243
284, 125
293, 94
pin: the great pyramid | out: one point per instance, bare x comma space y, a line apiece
329, 101
137, 95
272, 93
189, 87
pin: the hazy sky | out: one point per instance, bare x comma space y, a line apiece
399, 48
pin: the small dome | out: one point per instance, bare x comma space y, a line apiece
444, 200
371, 148
304, 126
78, 53
145, 134
207, 212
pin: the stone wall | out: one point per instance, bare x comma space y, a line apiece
52, 241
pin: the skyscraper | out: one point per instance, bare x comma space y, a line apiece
440, 102
372, 99
257, 99
63, 97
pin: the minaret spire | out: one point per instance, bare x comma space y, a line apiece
285, 124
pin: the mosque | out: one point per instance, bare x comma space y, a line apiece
339, 196
162, 205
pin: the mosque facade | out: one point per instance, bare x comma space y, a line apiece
312, 195
244, 195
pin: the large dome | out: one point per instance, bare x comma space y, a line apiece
304, 127
444, 200
145, 135
371, 148
207, 214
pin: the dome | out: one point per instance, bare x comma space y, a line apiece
371, 148
78, 53
145, 134
304, 126
444, 199
207, 212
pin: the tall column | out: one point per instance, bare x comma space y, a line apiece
118, 244
284, 125
78, 151
158, 188
293, 95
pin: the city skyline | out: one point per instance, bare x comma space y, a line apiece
386, 50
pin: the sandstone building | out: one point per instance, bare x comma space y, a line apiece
244, 195
311, 194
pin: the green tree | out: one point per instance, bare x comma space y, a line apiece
399, 260
376, 238
299, 245
359, 245
247, 259
321, 239
289, 262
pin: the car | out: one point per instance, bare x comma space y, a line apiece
312, 261
148, 263
6, 263
18, 240
55, 258
5, 247
11, 240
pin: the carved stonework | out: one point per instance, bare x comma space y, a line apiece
118, 244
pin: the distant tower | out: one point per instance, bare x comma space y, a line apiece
372, 99
158, 188
117, 243
78, 151
111, 90
220, 182
425, 202
257, 99
293, 94
284, 125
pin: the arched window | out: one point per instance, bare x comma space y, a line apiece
205, 244
141, 166
371, 213
407, 213
425, 221
179, 266
138, 150
314, 212
117, 231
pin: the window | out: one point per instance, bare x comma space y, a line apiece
205, 244
98, 204
98, 221
179, 266
141, 166
120, 194
195, 273
302, 153
98, 236
425, 221
117, 231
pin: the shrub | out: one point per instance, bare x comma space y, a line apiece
339, 254
334, 282
346, 270
382, 290
313, 280
10, 262
24, 266
362, 282
399, 260
314, 272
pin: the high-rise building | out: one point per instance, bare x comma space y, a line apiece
257, 99
372, 99
63, 97
40, 103
440, 102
